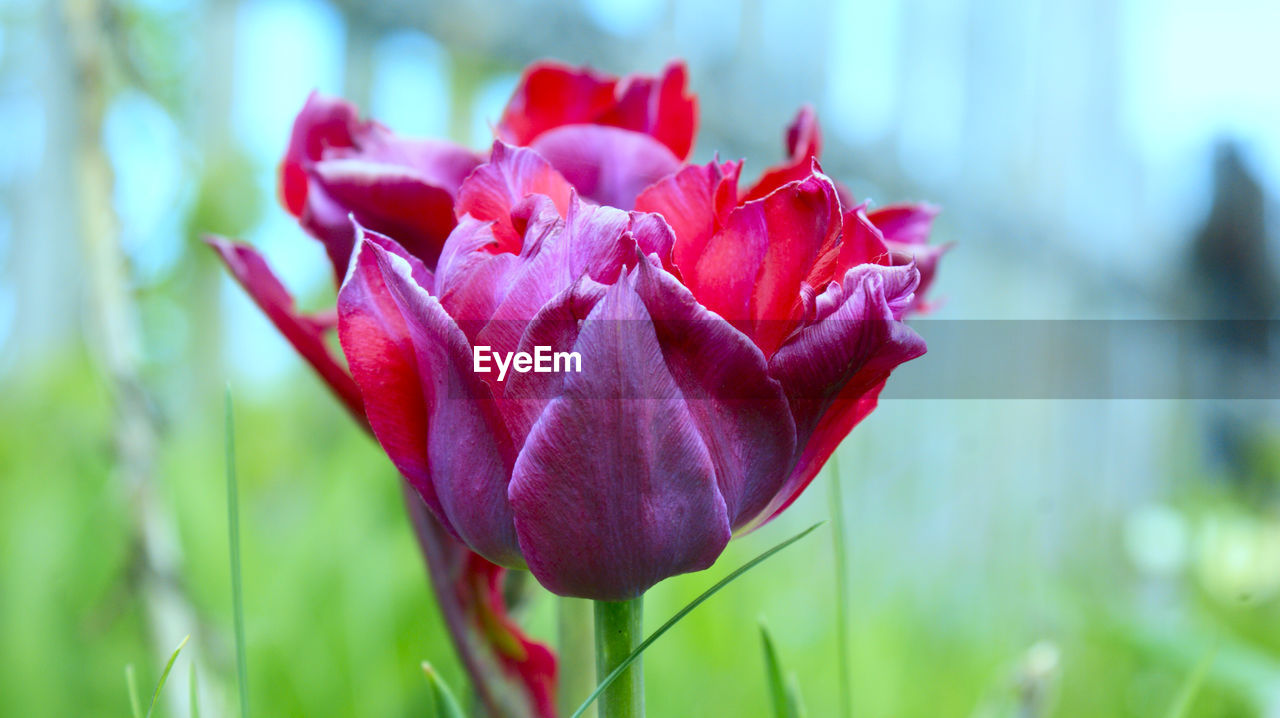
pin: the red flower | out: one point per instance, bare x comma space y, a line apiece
793, 295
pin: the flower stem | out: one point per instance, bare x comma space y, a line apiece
618, 632
577, 679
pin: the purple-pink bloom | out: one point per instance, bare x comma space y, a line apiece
726, 347
731, 386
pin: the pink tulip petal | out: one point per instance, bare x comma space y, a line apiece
413, 366
751, 271
496, 187
337, 165
418, 271
512, 674
905, 228
695, 201
614, 489
608, 165
556, 326
593, 241
306, 334
833, 369
904, 223
739, 409
552, 95
862, 243
391, 199
804, 143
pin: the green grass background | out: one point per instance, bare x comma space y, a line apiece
339, 615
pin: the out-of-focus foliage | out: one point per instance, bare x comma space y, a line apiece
339, 618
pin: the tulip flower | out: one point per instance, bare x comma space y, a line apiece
725, 349
728, 339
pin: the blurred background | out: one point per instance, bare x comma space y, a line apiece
1095, 159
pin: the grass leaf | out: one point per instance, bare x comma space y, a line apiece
1181, 707
164, 675
131, 681
626, 662
447, 705
794, 704
773, 675
193, 690
839, 541
233, 537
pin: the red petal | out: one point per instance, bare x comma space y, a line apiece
751, 271
695, 201
832, 370
496, 187
606, 164
306, 334
433, 416
804, 142
512, 674
390, 199
551, 95
614, 489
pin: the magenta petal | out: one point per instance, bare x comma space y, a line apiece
861, 243
337, 165
552, 95
433, 416
606, 164
832, 370
592, 242
556, 327
614, 489
904, 223
740, 410
752, 270
905, 228
512, 675
306, 334
391, 199
496, 187
804, 142
322, 123
695, 201
468, 276
418, 271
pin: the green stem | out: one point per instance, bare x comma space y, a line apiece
842, 588
618, 632
576, 667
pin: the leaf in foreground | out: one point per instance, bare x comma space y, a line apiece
447, 705
164, 675
233, 537
773, 675
193, 690
1181, 707
626, 662
131, 681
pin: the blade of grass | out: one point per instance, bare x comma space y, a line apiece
613, 675
164, 675
1181, 706
842, 586
773, 674
233, 537
131, 681
447, 705
794, 704
194, 693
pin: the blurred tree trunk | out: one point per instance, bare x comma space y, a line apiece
212, 119
114, 336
